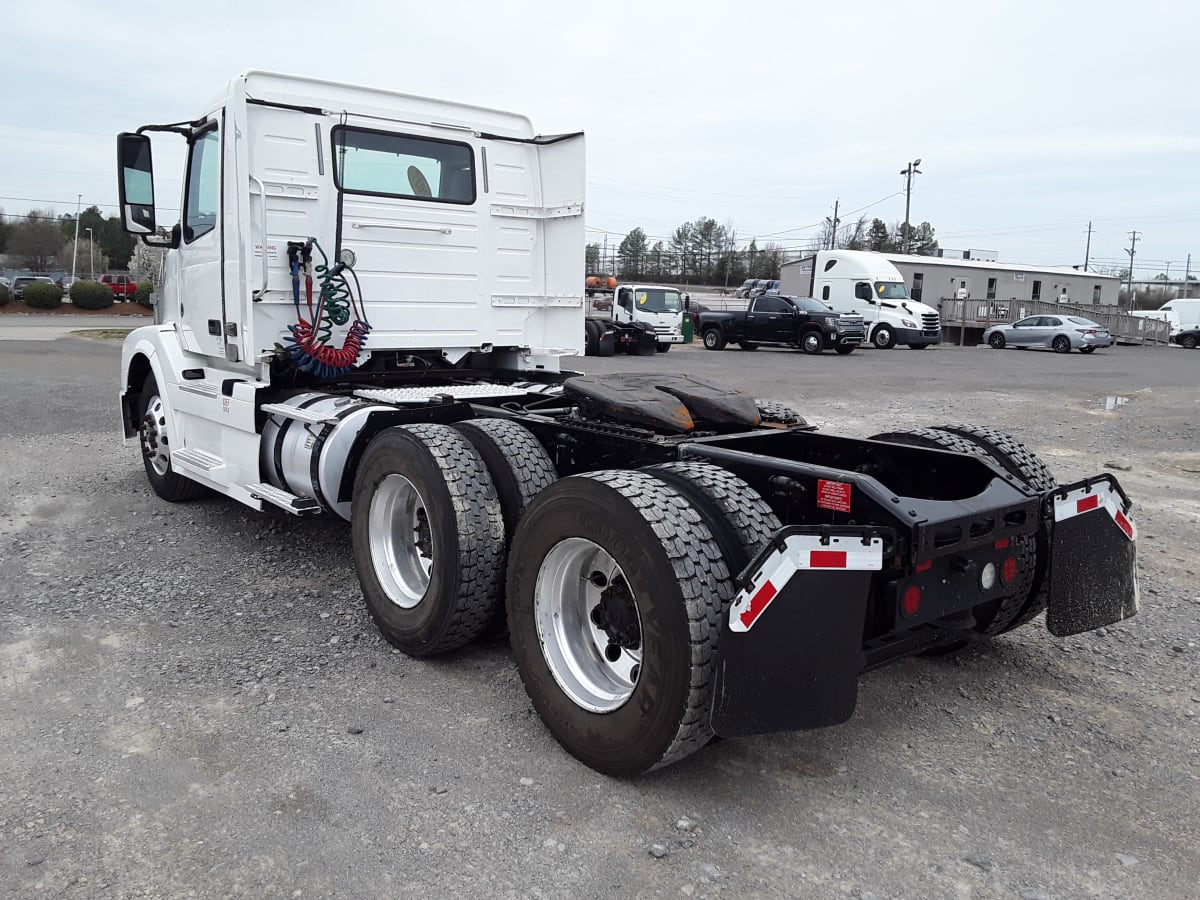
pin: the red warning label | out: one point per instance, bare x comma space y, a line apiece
834, 495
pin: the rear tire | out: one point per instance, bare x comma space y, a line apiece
845, 351
713, 339
1017, 459
771, 412
618, 659
428, 538
154, 425
997, 614
997, 342
591, 338
812, 343
1087, 349
1061, 344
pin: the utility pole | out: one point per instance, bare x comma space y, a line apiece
834, 225
75, 248
1131, 250
1187, 273
1167, 282
908, 171
1087, 253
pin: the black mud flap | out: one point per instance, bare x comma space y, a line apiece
1093, 566
791, 645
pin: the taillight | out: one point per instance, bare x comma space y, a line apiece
911, 602
1008, 570
1087, 330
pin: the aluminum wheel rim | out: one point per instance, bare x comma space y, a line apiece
155, 446
812, 342
882, 337
401, 541
578, 651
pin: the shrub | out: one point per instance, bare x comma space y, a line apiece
42, 296
142, 295
3, 295
91, 295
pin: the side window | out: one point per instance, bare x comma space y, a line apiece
387, 164
769, 305
203, 187
825, 292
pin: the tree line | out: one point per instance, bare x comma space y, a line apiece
43, 242
710, 253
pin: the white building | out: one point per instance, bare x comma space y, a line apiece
933, 278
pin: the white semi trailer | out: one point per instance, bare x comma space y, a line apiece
366, 303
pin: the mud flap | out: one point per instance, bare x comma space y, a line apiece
791, 647
1093, 566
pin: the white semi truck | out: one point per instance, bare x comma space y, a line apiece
366, 304
856, 281
642, 319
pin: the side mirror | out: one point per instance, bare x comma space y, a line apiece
862, 291
135, 183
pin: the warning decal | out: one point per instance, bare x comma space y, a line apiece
834, 495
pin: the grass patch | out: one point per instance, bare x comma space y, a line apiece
102, 334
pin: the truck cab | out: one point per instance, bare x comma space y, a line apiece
658, 307
856, 281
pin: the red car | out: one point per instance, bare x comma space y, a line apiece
123, 287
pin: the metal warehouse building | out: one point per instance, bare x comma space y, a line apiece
933, 278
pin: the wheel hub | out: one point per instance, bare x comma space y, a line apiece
401, 540
589, 625
153, 436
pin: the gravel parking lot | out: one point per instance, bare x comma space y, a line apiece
196, 705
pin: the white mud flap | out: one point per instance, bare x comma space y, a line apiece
1093, 566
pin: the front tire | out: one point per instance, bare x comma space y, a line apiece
154, 426
662, 348
1188, 342
428, 538
996, 341
713, 339
616, 586
883, 337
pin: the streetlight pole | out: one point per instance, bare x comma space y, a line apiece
75, 247
91, 255
908, 171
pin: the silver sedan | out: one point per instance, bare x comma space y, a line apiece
1062, 334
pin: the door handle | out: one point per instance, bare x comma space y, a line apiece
262, 190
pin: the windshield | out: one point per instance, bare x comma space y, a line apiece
891, 290
811, 304
658, 300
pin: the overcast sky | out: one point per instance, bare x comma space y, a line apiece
1031, 118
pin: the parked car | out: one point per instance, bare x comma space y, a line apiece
123, 287
1062, 334
769, 286
1189, 337
18, 284
792, 321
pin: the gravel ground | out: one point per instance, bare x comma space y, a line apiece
196, 705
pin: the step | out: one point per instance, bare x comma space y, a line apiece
300, 415
298, 506
197, 459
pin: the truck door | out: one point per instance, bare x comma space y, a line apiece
774, 321
622, 310
201, 296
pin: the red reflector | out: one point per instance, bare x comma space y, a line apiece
758, 603
925, 566
1002, 544
1008, 570
912, 600
1092, 501
827, 559
1124, 525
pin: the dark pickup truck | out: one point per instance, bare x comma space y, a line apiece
792, 321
